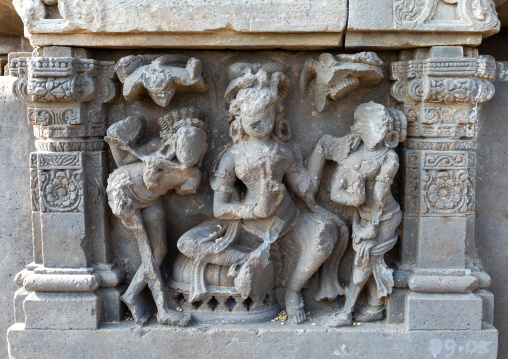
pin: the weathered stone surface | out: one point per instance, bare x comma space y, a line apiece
62, 311
269, 340
443, 311
264, 158
412, 23
19, 298
15, 226
223, 18
113, 309
491, 224
205, 40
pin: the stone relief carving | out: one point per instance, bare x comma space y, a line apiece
476, 14
336, 76
66, 100
440, 96
161, 76
366, 168
147, 170
261, 237
440, 93
262, 243
266, 244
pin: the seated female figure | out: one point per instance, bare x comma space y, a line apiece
265, 161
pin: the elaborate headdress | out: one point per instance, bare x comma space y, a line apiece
266, 83
244, 75
186, 116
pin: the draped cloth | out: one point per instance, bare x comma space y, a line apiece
382, 273
376, 264
209, 248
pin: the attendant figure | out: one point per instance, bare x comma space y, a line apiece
367, 165
148, 170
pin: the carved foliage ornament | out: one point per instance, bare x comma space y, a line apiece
61, 190
66, 97
454, 15
60, 182
445, 191
440, 95
447, 182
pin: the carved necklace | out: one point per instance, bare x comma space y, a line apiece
370, 157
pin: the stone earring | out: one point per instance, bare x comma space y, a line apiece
391, 139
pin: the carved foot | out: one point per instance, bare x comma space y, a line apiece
174, 318
369, 313
340, 319
329, 292
294, 306
140, 309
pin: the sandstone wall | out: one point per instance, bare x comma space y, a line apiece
15, 224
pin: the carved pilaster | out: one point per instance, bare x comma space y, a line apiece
65, 99
440, 91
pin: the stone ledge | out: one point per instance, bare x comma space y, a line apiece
228, 40
407, 40
125, 340
198, 23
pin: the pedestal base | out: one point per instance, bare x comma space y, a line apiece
125, 340
66, 311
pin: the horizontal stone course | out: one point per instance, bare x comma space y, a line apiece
269, 340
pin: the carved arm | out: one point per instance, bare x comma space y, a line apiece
226, 208
382, 185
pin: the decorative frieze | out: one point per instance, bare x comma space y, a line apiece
420, 23
479, 15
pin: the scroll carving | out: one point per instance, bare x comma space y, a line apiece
468, 14
407, 11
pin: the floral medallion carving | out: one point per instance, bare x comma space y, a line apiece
61, 190
445, 191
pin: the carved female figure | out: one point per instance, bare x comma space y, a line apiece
147, 170
367, 166
264, 160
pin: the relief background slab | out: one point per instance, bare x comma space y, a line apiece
308, 126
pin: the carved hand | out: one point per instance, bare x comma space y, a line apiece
270, 197
363, 253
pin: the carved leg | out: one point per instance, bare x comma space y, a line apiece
345, 316
374, 308
329, 286
153, 277
140, 308
155, 223
294, 306
315, 238
133, 219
